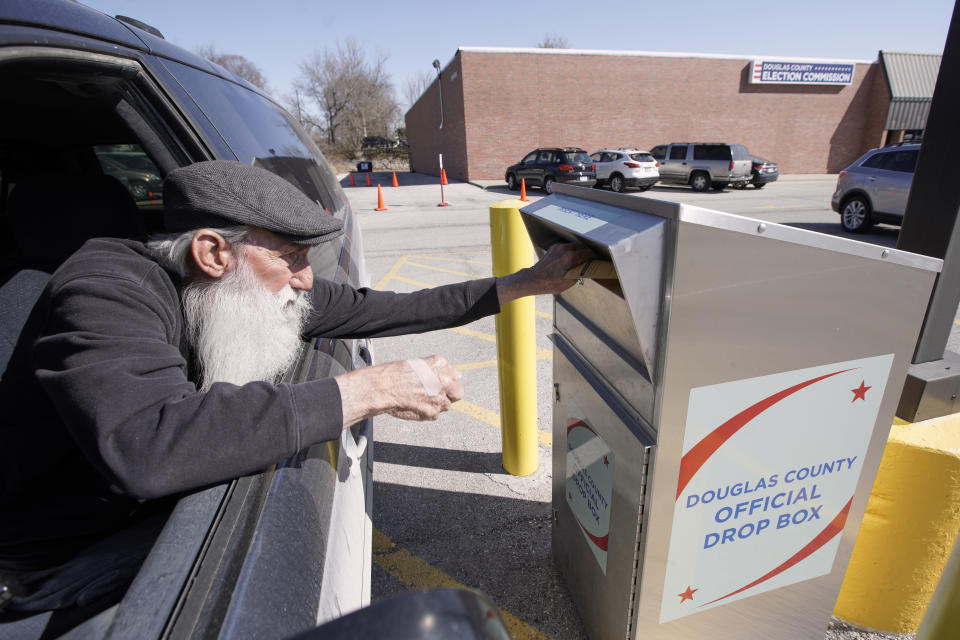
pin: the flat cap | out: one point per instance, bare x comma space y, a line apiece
224, 193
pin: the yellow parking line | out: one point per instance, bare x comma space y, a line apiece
420, 256
416, 573
476, 365
548, 316
416, 283
392, 273
542, 354
456, 273
492, 418
956, 322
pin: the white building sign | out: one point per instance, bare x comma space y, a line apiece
826, 73
768, 471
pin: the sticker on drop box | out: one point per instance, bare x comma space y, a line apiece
589, 485
582, 220
767, 475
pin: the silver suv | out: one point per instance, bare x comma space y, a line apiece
875, 187
703, 165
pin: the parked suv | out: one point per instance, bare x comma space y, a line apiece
543, 167
271, 554
703, 165
875, 187
625, 168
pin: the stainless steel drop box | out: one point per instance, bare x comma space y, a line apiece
720, 410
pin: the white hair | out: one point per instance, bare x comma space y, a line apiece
172, 250
239, 330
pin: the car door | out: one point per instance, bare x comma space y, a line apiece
526, 169
546, 161
674, 168
603, 169
893, 186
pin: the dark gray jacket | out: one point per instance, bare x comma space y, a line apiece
99, 411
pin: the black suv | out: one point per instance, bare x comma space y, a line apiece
268, 555
543, 167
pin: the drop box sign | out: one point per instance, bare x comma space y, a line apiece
767, 476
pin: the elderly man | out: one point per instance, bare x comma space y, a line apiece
154, 368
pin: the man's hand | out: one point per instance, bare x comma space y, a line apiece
547, 276
419, 389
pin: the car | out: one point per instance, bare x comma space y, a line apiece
135, 171
763, 171
703, 165
623, 168
271, 554
543, 167
875, 187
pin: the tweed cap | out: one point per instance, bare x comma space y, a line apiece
224, 193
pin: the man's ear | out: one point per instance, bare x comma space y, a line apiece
211, 253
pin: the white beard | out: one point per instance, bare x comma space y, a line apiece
239, 330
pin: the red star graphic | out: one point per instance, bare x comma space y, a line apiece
606, 462
687, 595
860, 392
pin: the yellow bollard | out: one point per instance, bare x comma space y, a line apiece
516, 343
942, 619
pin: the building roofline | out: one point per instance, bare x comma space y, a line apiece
653, 54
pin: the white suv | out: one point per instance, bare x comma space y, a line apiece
623, 168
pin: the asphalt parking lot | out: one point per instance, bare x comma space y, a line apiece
445, 512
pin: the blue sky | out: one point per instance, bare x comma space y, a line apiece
277, 35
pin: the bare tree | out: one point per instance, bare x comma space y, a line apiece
236, 64
416, 85
345, 96
553, 41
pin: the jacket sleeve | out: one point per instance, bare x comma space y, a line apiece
340, 311
108, 360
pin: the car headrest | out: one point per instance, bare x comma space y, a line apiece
52, 216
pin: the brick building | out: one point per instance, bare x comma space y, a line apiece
498, 104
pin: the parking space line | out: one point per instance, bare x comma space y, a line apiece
420, 256
392, 273
416, 573
441, 270
492, 418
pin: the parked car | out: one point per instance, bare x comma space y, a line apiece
875, 187
703, 165
271, 554
763, 171
624, 168
135, 171
543, 167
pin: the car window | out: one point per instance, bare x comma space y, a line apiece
711, 152
641, 157
545, 157
571, 157
678, 152
877, 161
260, 132
597, 157
530, 157
904, 160
659, 152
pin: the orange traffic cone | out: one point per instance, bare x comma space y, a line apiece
380, 206
395, 179
352, 184
523, 190
443, 176
368, 179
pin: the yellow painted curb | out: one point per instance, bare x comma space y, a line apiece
911, 523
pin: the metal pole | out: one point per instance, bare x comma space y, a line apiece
436, 65
931, 224
516, 343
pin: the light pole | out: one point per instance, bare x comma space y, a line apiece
436, 65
